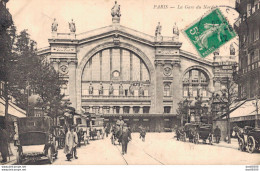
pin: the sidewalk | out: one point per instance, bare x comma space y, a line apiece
12, 159
233, 144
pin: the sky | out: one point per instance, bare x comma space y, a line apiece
143, 15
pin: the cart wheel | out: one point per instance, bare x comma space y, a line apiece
18, 157
56, 155
196, 138
251, 144
50, 155
241, 144
184, 137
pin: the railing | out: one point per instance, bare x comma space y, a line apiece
115, 97
66, 36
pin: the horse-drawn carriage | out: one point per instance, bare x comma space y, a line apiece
36, 139
83, 134
194, 132
59, 133
116, 134
204, 132
248, 138
97, 128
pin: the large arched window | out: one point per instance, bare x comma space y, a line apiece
195, 83
118, 68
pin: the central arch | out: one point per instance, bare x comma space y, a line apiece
91, 53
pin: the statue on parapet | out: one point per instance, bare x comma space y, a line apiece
158, 30
54, 26
72, 26
115, 11
121, 89
216, 52
91, 89
175, 32
175, 29
101, 88
111, 89
232, 50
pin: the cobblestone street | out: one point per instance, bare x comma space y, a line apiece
158, 149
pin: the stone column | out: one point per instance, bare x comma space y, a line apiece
100, 109
72, 83
159, 87
120, 109
111, 110
90, 109
131, 110
176, 85
55, 64
141, 110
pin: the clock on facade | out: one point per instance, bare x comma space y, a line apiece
167, 71
116, 74
63, 69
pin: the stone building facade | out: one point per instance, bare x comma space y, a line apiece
248, 28
116, 71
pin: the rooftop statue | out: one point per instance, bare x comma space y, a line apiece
232, 50
115, 11
175, 29
72, 26
158, 30
54, 26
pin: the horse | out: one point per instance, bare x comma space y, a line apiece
116, 134
180, 134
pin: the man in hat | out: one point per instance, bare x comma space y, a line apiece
217, 134
69, 143
126, 137
4, 144
75, 143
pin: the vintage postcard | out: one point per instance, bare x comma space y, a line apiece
136, 82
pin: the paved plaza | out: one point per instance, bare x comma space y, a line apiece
158, 149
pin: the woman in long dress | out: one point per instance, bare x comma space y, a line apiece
69, 143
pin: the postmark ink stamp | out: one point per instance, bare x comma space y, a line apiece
210, 32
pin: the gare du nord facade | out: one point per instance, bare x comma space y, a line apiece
118, 71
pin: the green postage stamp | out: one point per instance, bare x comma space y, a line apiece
210, 32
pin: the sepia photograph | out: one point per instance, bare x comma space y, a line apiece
129, 82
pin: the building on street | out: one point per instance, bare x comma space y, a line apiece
115, 70
248, 27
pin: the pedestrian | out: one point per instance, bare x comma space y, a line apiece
217, 134
142, 133
80, 136
4, 144
107, 129
126, 137
69, 144
75, 143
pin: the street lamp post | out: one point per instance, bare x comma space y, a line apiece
256, 116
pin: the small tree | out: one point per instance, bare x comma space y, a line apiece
228, 96
183, 110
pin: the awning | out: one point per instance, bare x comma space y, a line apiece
234, 107
12, 110
247, 111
